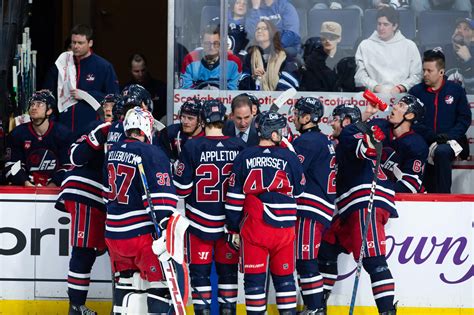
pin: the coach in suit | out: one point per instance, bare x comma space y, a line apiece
241, 123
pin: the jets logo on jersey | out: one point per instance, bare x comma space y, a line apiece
41, 160
449, 99
27, 144
90, 77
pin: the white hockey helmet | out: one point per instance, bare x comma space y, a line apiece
138, 118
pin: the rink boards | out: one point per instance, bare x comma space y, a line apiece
429, 248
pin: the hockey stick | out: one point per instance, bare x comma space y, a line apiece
282, 99
168, 268
378, 147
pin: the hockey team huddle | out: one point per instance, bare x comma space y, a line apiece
265, 210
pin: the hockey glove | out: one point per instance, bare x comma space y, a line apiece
442, 138
97, 137
377, 135
233, 240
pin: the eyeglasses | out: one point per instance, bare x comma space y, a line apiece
37, 104
263, 28
209, 44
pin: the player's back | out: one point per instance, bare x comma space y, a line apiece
317, 154
126, 213
202, 175
275, 176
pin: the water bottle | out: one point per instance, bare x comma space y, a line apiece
257, 84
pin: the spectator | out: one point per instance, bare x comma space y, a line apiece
445, 123
396, 4
241, 123
266, 66
200, 69
283, 15
459, 60
94, 75
387, 62
341, 4
237, 34
319, 71
156, 88
424, 5
40, 147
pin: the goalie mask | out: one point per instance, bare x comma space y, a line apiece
141, 119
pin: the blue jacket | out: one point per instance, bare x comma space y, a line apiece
196, 71
283, 14
447, 111
96, 76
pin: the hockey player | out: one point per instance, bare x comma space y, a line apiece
108, 104
40, 146
81, 196
173, 137
129, 228
316, 205
261, 205
355, 157
201, 176
406, 152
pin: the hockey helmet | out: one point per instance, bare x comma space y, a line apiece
346, 110
312, 106
44, 96
253, 99
111, 98
192, 108
213, 111
268, 122
138, 118
135, 95
415, 106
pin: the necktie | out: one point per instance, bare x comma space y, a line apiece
241, 135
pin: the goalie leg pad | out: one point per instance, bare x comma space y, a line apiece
130, 293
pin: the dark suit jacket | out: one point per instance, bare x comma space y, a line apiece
229, 130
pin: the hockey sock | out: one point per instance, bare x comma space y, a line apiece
255, 298
158, 301
79, 274
310, 282
285, 292
327, 263
383, 286
201, 286
228, 287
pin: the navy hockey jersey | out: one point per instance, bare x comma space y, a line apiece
172, 140
126, 204
201, 176
408, 153
317, 154
43, 158
355, 163
115, 134
273, 174
84, 182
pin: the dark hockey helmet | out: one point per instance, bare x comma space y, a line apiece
346, 110
213, 111
415, 106
192, 108
44, 96
268, 122
134, 95
312, 106
253, 99
111, 98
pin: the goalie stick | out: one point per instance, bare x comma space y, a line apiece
282, 99
179, 301
378, 147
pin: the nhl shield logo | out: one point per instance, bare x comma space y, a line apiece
449, 99
27, 144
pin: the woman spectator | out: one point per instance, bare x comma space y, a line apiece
266, 66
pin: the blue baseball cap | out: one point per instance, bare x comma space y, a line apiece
468, 21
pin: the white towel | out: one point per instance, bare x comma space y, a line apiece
66, 80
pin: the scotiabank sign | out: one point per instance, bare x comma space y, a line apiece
429, 246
